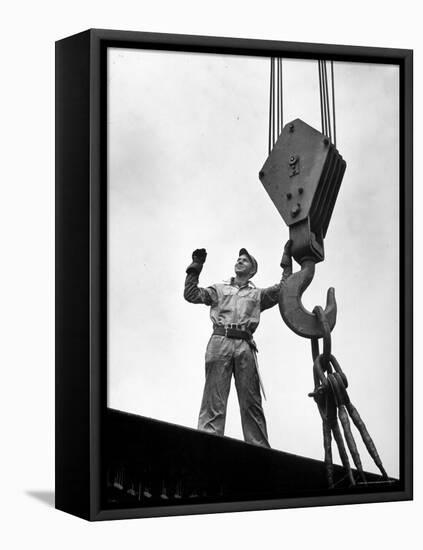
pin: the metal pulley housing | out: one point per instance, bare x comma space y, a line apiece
302, 175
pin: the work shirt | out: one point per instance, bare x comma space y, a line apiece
230, 304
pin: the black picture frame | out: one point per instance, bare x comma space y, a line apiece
83, 423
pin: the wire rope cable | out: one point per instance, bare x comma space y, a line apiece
275, 101
327, 100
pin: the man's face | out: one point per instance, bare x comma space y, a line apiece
243, 266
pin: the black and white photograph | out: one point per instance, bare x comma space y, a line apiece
210, 275
236, 184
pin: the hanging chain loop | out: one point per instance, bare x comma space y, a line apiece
333, 402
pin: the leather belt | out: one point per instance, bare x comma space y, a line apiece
230, 332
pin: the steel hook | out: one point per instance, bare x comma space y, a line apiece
296, 316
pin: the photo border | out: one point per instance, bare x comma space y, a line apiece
81, 260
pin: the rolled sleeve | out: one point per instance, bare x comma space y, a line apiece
269, 296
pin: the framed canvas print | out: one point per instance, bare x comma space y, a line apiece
233, 274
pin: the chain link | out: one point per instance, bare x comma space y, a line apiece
333, 402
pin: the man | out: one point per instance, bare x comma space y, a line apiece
235, 308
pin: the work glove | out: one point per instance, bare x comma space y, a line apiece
286, 262
198, 258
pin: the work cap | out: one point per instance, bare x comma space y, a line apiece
251, 258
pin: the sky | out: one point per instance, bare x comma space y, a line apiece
187, 137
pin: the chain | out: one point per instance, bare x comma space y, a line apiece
333, 402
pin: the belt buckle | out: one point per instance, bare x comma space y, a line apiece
226, 332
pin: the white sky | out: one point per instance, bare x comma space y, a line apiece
187, 138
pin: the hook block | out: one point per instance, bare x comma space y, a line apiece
302, 176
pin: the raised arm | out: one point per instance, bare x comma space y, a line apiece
192, 292
270, 296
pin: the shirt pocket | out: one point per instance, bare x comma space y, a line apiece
227, 290
249, 306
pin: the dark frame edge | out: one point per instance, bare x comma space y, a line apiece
249, 46
252, 506
98, 317
72, 174
88, 452
406, 263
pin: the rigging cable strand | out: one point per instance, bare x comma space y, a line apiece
327, 101
271, 104
321, 96
333, 103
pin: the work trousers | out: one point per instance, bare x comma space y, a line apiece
224, 357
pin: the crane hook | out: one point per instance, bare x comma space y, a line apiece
296, 316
